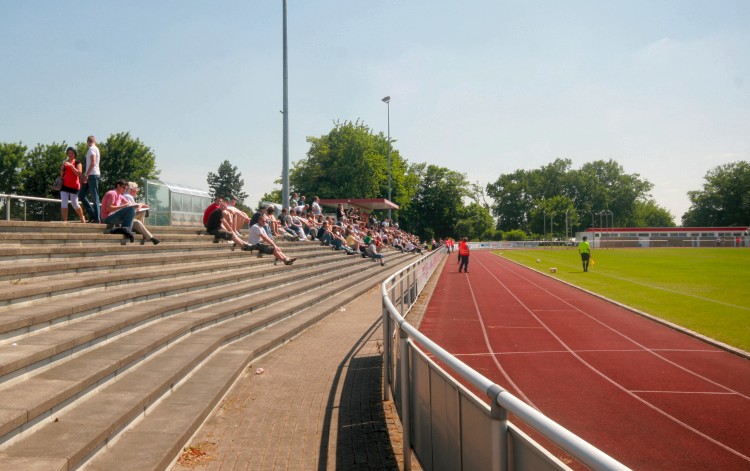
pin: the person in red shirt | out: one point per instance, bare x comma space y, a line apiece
70, 172
463, 255
211, 208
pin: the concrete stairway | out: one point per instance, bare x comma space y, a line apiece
112, 355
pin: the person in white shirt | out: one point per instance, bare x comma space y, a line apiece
138, 224
90, 181
316, 209
259, 240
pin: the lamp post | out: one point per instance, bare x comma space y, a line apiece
387, 101
609, 213
285, 112
552, 225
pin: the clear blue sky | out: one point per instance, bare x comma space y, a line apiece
482, 87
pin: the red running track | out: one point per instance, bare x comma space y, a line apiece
650, 396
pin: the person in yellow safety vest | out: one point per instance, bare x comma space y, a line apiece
585, 250
463, 255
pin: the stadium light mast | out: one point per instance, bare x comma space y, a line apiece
387, 101
285, 113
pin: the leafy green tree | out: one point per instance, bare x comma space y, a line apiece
12, 163
724, 200
514, 200
351, 162
41, 168
274, 196
549, 216
523, 197
438, 201
123, 157
227, 182
515, 235
650, 214
475, 222
614, 190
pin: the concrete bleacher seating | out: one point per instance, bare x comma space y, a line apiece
112, 355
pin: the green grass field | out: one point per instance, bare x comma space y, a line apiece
705, 290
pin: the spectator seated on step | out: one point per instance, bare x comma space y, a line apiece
372, 252
259, 240
211, 208
299, 220
324, 234
411, 247
285, 226
338, 240
116, 210
219, 225
141, 209
355, 244
239, 218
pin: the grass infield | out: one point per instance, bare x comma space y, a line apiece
702, 289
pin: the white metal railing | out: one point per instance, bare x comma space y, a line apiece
23, 200
446, 425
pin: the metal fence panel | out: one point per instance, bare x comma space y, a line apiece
421, 417
528, 454
476, 436
446, 423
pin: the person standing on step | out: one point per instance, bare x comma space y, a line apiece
463, 255
90, 181
70, 172
585, 250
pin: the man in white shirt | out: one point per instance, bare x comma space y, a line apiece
90, 181
316, 209
264, 244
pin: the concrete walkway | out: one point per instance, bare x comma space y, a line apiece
317, 404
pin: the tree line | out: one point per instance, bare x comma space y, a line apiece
31, 171
350, 161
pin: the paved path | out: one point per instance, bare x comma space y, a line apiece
316, 405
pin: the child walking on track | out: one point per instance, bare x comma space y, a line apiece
463, 255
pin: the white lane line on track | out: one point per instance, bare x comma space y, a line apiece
601, 374
489, 349
706, 393
652, 351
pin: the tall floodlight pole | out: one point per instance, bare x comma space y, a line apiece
285, 113
387, 101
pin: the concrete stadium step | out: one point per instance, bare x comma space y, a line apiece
42, 232
162, 431
74, 266
26, 290
17, 320
90, 423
